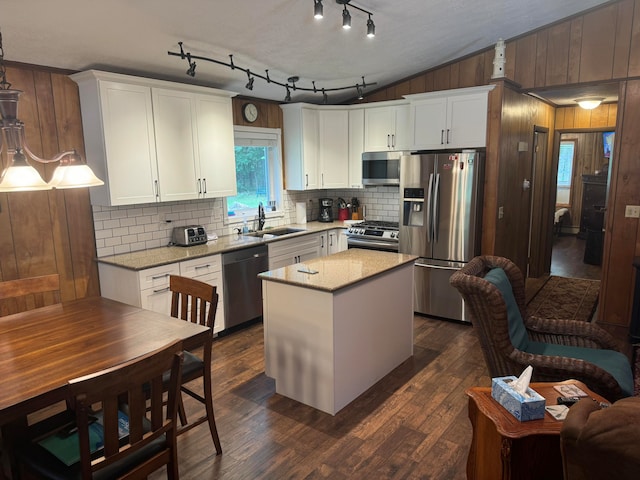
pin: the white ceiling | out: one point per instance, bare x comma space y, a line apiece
134, 36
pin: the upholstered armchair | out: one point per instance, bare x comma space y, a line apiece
600, 442
494, 295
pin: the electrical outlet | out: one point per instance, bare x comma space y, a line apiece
632, 211
500, 212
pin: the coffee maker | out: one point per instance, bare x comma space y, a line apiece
326, 210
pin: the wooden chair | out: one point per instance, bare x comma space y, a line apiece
511, 339
29, 293
132, 388
197, 302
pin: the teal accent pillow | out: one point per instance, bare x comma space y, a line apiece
517, 330
613, 362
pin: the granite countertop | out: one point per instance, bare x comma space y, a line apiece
340, 270
155, 257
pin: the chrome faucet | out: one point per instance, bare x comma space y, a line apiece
261, 216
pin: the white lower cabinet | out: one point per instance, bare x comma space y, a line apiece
149, 288
336, 241
295, 250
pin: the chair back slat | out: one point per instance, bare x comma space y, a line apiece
123, 388
193, 300
29, 293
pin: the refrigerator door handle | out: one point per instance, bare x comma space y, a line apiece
429, 206
434, 215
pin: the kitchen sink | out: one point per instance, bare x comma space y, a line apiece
275, 232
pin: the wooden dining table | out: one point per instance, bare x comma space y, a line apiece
42, 349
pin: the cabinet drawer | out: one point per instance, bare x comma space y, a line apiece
156, 299
293, 245
157, 277
201, 266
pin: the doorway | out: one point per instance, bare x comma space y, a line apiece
582, 159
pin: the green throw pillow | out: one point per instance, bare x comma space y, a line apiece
517, 330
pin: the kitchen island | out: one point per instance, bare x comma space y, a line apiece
335, 325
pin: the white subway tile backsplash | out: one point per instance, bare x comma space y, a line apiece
128, 229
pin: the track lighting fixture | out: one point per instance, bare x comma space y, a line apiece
371, 28
291, 83
346, 15
346, 19
249, 85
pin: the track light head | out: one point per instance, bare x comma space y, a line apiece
287, 97
192, 69
317, 9
249, 85
371, 28
346, 19
359, 90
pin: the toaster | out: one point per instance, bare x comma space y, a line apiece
189, 235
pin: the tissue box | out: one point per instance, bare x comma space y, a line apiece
521, 407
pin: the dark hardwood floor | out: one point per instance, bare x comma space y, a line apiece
567, 259
412, 424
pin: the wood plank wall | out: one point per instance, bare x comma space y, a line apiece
48, 232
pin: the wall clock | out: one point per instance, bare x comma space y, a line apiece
250, 112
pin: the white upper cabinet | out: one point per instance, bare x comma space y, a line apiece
174, 117
153, 140
118, 125
356, 146
386, 128
449, 119
334, 148
215, 146
301, 137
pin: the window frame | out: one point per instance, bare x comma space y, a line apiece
245, 136
566, 186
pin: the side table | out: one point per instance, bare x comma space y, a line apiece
504, 448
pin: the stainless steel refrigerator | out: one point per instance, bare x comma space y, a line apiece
440, 221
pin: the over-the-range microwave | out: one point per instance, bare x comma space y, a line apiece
381, 168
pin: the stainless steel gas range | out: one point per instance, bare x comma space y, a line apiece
374, 235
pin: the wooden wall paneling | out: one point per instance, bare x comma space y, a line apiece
418, 84
524, 68
599, 116
511, 60
487, 64
575, 47
542, 41
442, 78
471, 72
623, 234
29, 211
558, 54
492, 170
46, 120
403, 88
429, 82
454, 75
624, 23
598, 42
634, 44
74, 204
613, 114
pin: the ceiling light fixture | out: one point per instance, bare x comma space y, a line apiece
20, 175
346, 15
346, 19
291, 81
589, 103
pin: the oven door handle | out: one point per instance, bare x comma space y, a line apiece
354, 242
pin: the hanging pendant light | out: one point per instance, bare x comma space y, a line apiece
20, 175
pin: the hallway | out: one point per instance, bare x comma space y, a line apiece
567, 259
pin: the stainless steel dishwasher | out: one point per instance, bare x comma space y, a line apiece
242, 287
